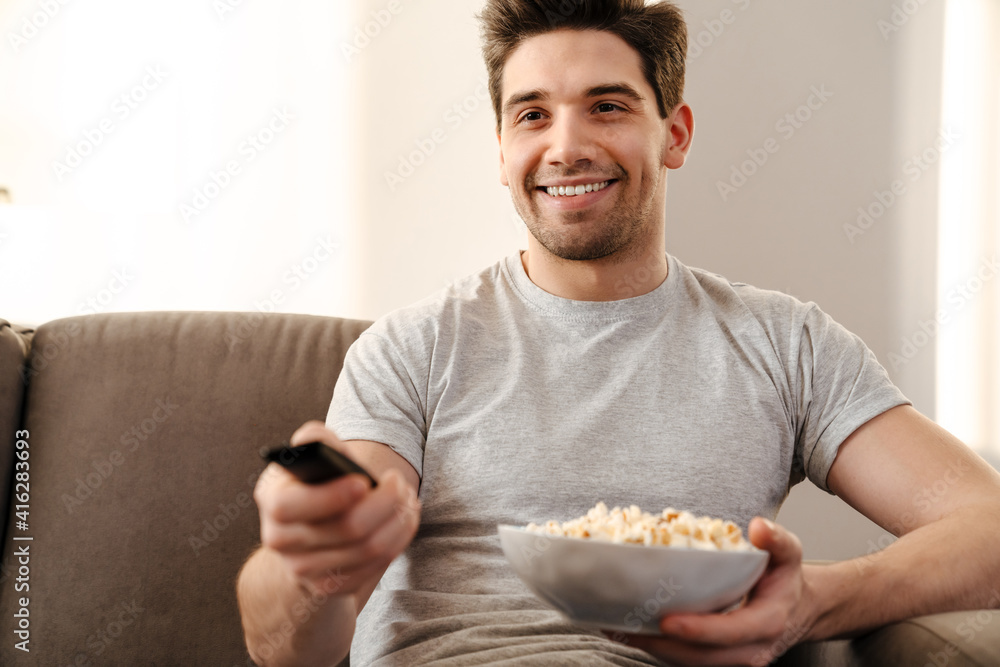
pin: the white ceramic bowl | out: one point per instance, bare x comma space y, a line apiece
628, 587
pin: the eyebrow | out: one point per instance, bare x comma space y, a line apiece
536, 94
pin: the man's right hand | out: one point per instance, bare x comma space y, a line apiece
339, 537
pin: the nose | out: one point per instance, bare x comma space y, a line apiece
570, 142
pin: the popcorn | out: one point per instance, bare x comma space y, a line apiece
672, 528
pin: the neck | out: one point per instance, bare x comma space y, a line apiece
605, 279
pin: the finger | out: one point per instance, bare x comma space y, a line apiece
285, 499
765, 616
376, 549
324, 570
384, 543
750, 624
314, 431
348, 529
376, 508
357, 563
783, 545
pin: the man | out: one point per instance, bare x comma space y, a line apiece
594, 366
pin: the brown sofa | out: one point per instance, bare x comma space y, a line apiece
143, 431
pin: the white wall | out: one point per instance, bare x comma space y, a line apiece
166, 156
423, 78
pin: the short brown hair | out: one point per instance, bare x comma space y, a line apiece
657, 32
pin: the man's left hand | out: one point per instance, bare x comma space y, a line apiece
777, 614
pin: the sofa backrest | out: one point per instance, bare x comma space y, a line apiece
144, 431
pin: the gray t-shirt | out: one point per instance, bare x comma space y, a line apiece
515, 405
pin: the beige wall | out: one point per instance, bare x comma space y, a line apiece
782, 229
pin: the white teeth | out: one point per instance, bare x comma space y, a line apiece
572, 191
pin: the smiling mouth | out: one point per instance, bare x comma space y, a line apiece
574, 190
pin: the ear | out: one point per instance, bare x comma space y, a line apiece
680, 132
503, 171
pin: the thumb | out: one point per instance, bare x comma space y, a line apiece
783, 545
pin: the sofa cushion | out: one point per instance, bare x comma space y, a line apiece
144, 438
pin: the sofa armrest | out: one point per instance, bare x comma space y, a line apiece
15, 343
145, 432
955, 639
952, 639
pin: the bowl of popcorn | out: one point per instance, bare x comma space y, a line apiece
623, 569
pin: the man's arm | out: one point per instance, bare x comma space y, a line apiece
325, 548
916, 480
911, 477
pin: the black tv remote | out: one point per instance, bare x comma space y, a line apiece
314, 462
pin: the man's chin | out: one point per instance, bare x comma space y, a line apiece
575, 236
584, 255
578, 252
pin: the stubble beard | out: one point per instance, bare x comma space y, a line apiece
619, 236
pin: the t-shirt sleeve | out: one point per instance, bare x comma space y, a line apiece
839, 385
377, 398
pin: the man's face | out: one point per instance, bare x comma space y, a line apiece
577, 111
